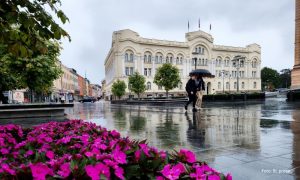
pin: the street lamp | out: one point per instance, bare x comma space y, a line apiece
237, 62
223, 73
195, 59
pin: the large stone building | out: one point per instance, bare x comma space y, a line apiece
296, 70
130, 52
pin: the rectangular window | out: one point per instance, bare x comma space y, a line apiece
127, 71
254, 85
131, 71
145, 71
149, 72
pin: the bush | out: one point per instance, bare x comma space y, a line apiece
80, 150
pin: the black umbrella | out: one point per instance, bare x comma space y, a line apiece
202, 72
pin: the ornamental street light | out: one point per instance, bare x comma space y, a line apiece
238, 62
223, 73
195, 58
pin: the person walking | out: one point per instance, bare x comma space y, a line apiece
200, 84
191, 90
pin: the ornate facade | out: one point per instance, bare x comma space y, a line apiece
130, 52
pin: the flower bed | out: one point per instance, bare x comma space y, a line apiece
80, 150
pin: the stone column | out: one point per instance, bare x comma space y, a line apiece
296, 69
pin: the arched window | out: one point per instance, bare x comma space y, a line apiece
126, 56
177, 60
145, 58
160, 59
171, 60
181, 60
167, 59
131, 57
156, 59
148, 85
254, 63
149, 59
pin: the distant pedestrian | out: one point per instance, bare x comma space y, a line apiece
191, 90
200, 84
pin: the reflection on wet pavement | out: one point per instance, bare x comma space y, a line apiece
258, 140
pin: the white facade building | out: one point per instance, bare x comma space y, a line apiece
131, 52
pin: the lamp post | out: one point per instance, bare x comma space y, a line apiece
237, 61
223, 73
195, 59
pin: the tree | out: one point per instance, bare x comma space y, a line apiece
168, 77
118, 88
269, 78
285, 78
137, 83
29, 46
27, 25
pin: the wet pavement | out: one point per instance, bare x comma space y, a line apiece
257, 140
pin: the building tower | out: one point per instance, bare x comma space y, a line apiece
296, 69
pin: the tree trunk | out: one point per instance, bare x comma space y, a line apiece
167, 94
2, 97
139, 96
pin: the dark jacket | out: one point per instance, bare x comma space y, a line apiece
201, 85
191, 86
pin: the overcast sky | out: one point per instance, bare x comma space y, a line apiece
269, 23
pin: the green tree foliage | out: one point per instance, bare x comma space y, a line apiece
285, 78
118, 88
270, 78
137, 83
25, 26
168, 77
29, 47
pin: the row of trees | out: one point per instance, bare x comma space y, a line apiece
272, 79
29, 44
166, 76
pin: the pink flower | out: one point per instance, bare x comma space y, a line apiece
119, 156
137, 155
145, 149
4, 151
188, 155
115, 134
160, 178
228, 177
89, 154
163, 154
64, 170
201, 172
40, 171
173, 173
50, 154
28, 153
119, 172
213, 177
7, 169
94, 172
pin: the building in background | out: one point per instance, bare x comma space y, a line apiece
296, 69
130, 52
96, 91
103, 87
65, 86
87, 87
82, 86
